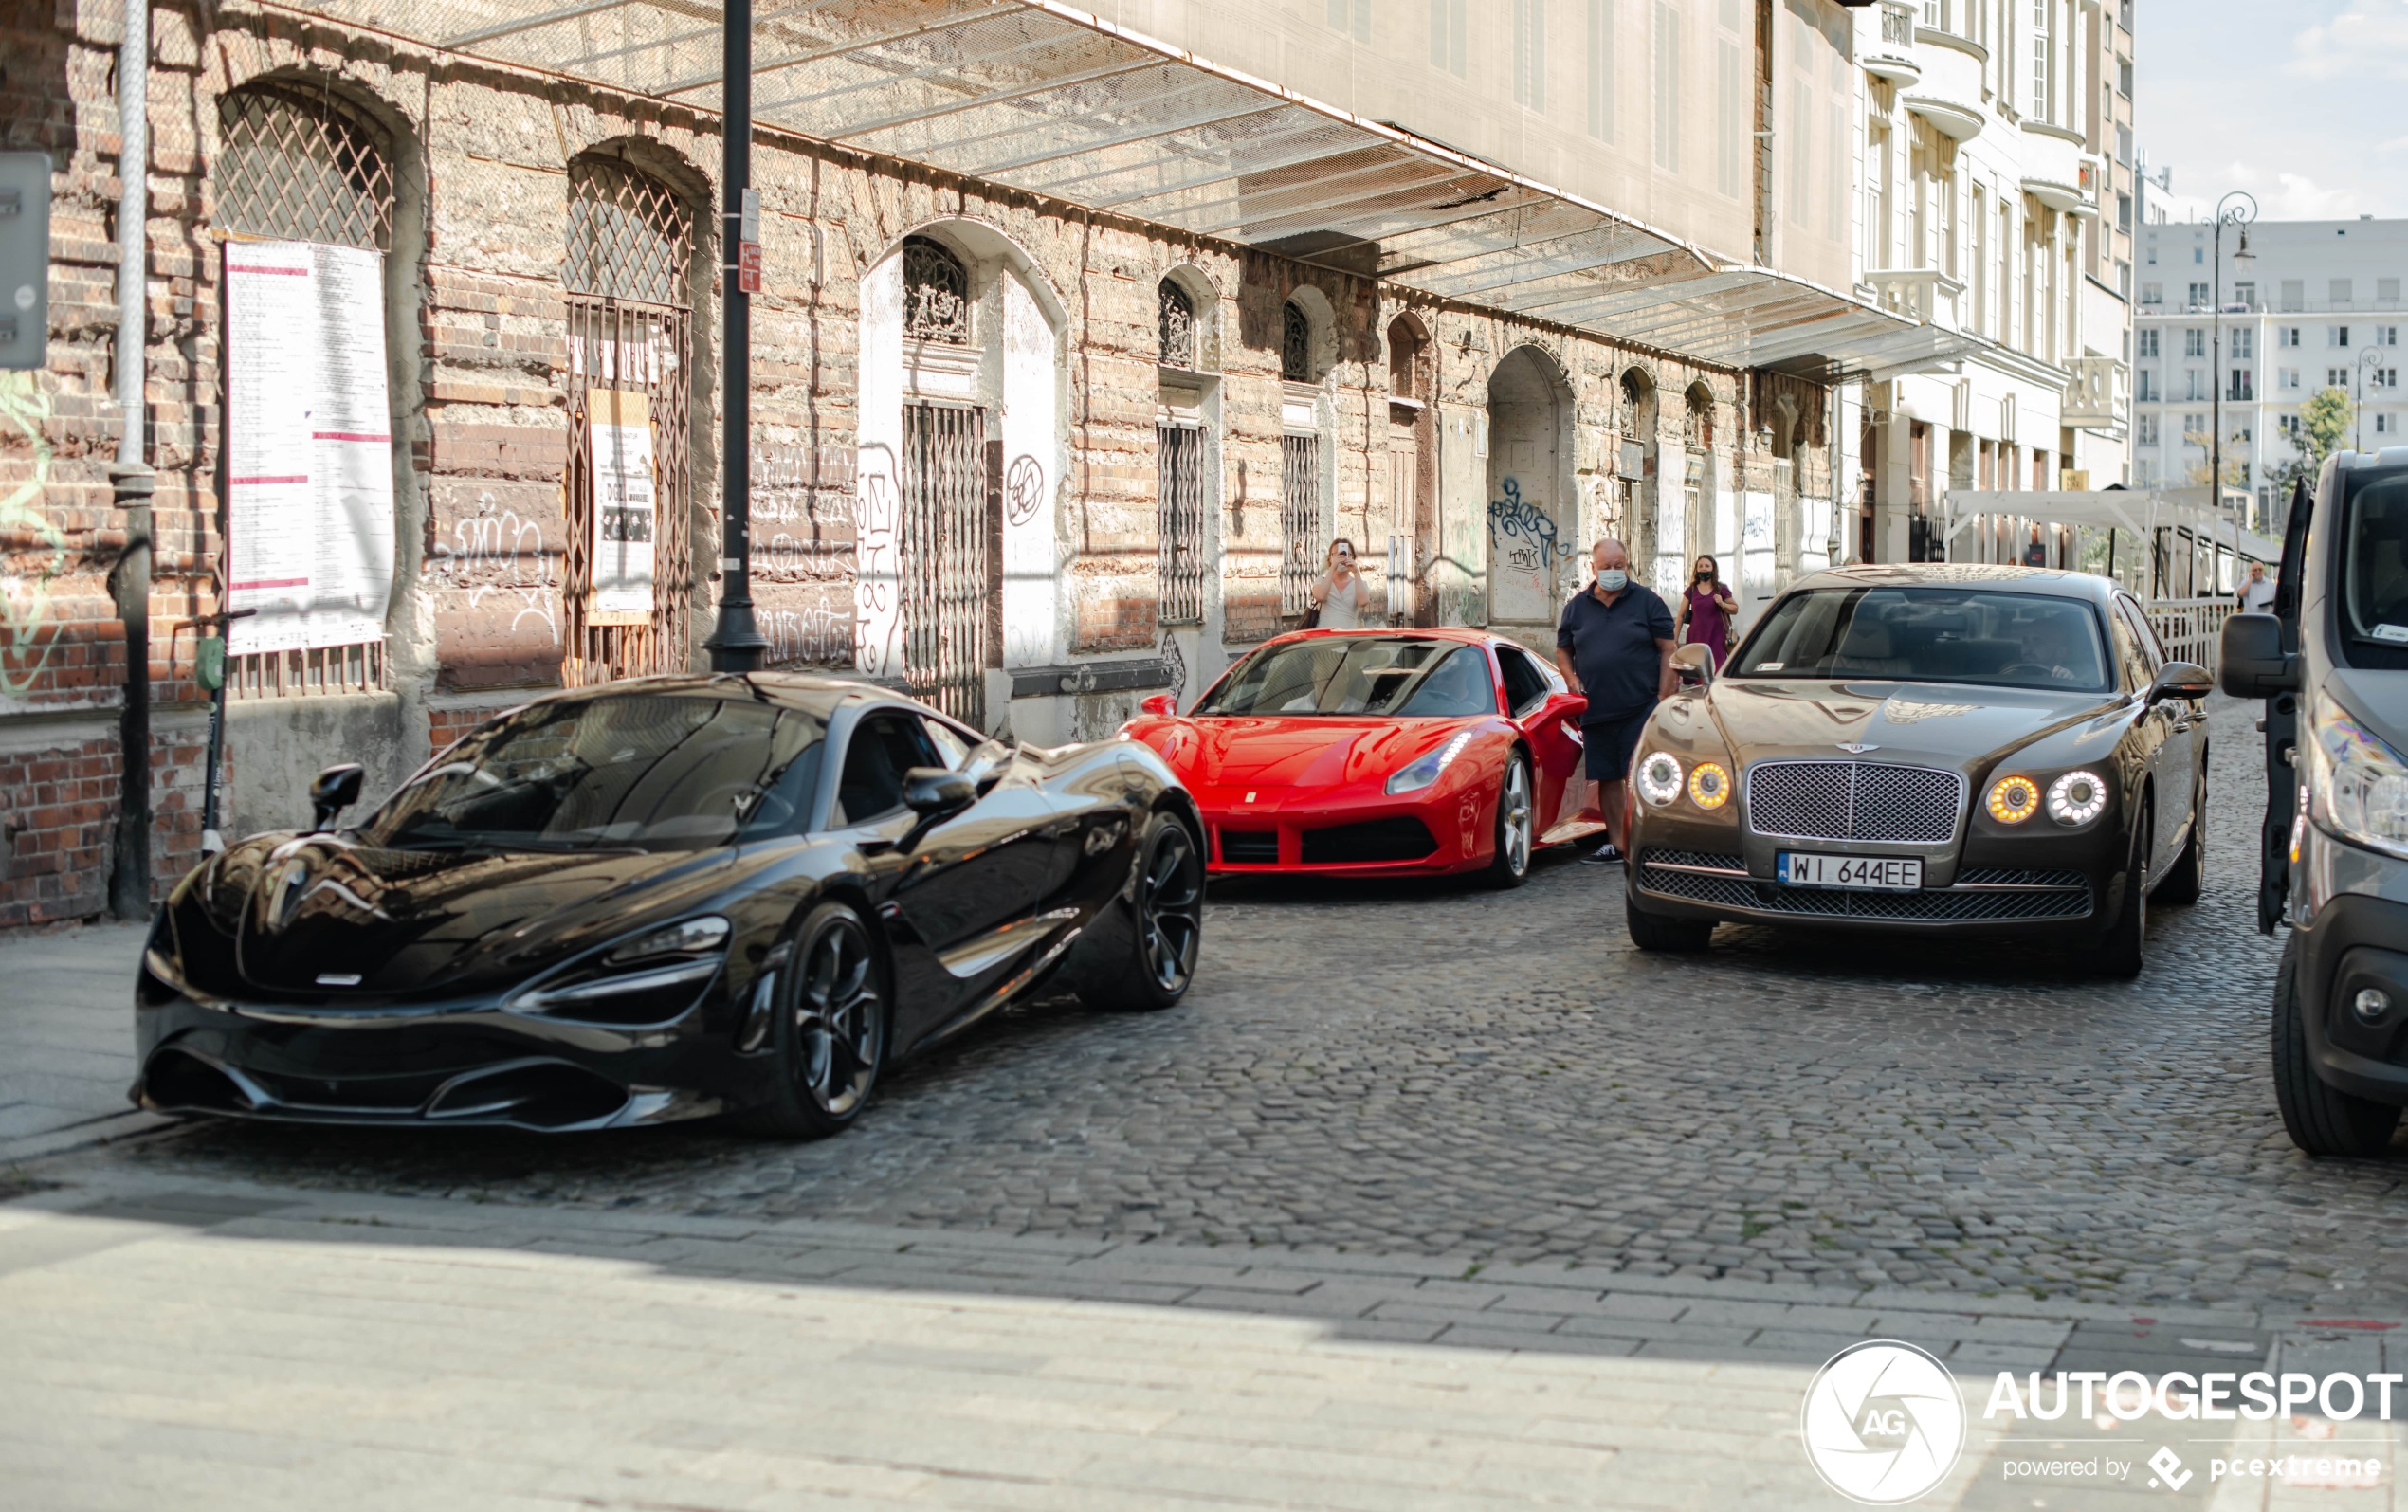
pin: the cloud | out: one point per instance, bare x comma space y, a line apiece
2368, 39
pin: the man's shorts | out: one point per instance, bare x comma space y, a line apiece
1610, 742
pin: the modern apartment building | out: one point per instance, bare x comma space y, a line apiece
2316, 307
1990, 170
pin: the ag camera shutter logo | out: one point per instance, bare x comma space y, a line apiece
1882, 1422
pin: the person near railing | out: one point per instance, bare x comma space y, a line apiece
2257, 595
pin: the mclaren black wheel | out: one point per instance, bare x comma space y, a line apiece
2321, 1120
829, 1035
1141, 953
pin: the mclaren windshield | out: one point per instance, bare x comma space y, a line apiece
647, 770
1992, 637
1404, 677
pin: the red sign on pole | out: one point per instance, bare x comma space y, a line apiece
748, 267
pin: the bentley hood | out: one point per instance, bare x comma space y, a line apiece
1934, 725
317, 914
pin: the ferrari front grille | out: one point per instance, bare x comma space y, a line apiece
1855, 800
1399, 838
1249, 847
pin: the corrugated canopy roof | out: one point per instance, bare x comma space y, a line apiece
1043, 98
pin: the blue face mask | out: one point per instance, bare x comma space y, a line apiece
1613, 579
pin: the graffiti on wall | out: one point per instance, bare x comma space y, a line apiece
1525, 532
877, 613
25, 596
491, 553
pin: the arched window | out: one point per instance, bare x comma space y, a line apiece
1404, 358
936, 293
628, 272
1295, 344
301, 164
1175, 319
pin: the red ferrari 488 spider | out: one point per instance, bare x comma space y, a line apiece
1382, 753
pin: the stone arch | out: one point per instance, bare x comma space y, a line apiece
1319, 348
1532, 503
941, 422
1203, 298
1412, 473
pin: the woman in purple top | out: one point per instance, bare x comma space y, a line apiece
1707, 611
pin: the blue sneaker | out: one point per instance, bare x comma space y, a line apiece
1605, 855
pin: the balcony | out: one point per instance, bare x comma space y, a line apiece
2053, 167
1919, 293
1949, 92
1886, 42
2098, 397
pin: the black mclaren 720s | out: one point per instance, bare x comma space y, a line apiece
664, 899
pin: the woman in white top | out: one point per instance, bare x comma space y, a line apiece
1340, 592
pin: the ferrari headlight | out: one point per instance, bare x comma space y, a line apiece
2356, 786
1425, 771
1709, 785
2014, 800
2077, 798
1660, 778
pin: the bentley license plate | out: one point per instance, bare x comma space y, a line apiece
1797, 868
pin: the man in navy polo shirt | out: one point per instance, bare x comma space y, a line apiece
1614, 644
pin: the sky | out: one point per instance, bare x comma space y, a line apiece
2297, 102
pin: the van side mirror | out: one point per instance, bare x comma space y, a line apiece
333, 790
2251, 662
1162, 705
2180, 680
1695, 665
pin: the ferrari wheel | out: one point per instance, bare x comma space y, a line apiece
2181, 882
830, 1029
1141, 952
2321, 1120
1510, 867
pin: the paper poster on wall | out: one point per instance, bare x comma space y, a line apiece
618, 439
308, 446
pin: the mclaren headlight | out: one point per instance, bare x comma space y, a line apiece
647, 978
2356, 786
1423, 773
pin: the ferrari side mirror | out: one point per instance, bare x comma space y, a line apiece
2253, 663
1162, 705
333, 790
1695, 665
2180, 680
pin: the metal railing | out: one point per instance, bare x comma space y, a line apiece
2191, 628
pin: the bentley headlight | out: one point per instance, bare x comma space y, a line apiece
2014, 800
647, 978
1660, 778
2356, 786
1425, 771
2077, 798
1709, 785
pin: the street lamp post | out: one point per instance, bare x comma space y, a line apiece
2236, 209
2372, 358
735, 643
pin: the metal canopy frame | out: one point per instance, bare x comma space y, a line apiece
1040, 97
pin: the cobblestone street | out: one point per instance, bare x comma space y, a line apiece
1500, 1077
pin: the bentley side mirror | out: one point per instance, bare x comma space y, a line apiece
2253, 663
2180, 680
333, 790
1695, 663
1162, 705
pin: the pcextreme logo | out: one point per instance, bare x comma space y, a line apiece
1882, 1422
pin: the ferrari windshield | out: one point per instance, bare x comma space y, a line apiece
1943, 634
643, 770
1401, 676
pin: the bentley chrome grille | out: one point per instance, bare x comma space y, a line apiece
1855, 800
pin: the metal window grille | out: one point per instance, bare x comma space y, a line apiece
1177, 321
943, 557
1299, 521
630, 241
936, 294
1295, 346
299, 164
1180, 462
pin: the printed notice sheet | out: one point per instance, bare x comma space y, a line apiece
618, 438
308, 446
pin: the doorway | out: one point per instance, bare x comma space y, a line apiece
1529, 488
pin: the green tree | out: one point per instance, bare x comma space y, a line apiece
2323, 425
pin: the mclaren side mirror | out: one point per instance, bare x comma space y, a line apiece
938, 793
1162, 705
2252, 663
2180, 680
1695, 665
333, 790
